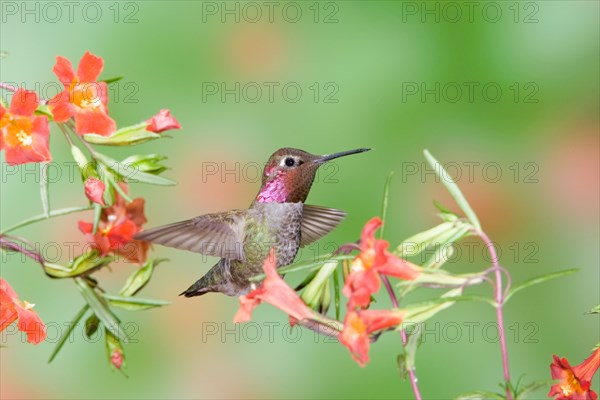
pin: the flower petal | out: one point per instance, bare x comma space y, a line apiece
94, 122
63, 69
247, 304
61, 107
30, 323
359, 287
354, 336
116, 358
90, 67
377, 320
94, 190
8, 314
276, 292
86, 227
135, 211
162, 121
367, 237
24, 102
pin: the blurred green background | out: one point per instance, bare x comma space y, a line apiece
378, 74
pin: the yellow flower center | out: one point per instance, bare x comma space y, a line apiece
364, 260
357, 326
24, 138
571, 384
86, 95
27, 305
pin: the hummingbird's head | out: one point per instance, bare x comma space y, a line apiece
289, 174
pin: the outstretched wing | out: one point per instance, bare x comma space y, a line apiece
317, 222
219, 235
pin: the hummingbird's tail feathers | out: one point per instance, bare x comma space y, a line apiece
218, 235
217, 279
317, 222
192, 292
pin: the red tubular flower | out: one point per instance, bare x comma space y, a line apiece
94, 190
83, 97
24, 135
12, 309
575, 381
118, 224
374, 259
358, 325
274, 291
162, 121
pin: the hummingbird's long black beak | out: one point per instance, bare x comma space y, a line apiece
329, 157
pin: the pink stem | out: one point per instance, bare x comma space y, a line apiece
8, 87
411, 372
499, 308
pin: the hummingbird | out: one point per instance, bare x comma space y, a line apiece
242, 239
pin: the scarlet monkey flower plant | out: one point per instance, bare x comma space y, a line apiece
375, 266
81, 114
350, 279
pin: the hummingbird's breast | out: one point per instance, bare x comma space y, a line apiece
272, 225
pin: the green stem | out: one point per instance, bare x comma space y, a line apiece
37, 218
66, 133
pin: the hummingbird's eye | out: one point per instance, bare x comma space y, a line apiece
290, 162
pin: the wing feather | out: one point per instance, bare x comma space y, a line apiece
219, 235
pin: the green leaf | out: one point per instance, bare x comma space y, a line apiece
91, 325
440, 278
139, 278
416, 244
149, 163
44, 189
452, 187
84, 264
527, 389
67, 333
401, 362
97, 215
309, 277
384, 202
127, 136
118, 188
85, 166
312, 291
44, 109
51, 214
131, 174
446, 250
422, 311
410, 349
536, 280
134, 303
100, 308
114, 344
595, 310
305, 265
114, 79
336, 293
480, 395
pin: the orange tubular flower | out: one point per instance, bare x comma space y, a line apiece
118, 224
374, 259
83, 97
162, 121
12, 309
358, 325
274, 291
575, 381
23, 135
